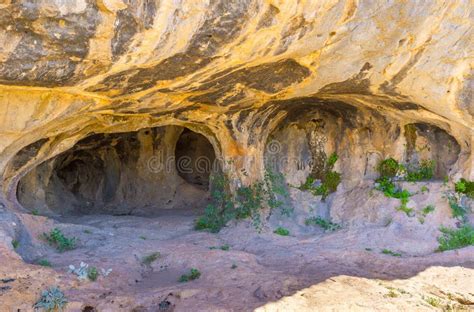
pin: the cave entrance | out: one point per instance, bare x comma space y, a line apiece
143, 172
194, 158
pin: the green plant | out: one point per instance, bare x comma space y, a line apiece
192, 275
391, 253
221, 210
223, 247
35, 212
87, 232
15, 244
434, 302
388, 168
424, 189
465, 187
329, 182
44, 262
424, 172
458, 211
428, 209
247, 201
456, 238
92, 273
142, 237
389, 189
52, 299
57, 239
325, 224
392, 294
282, 231
149, 259
275, 191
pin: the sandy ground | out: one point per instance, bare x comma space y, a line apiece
339, 271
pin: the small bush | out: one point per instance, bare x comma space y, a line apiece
43, 262
391, 253
329, 183
192, 275
428, 209
456, 238
424, 172
458, 211
92, 273
325, 224
149, 259
15, 244
465, 187
52, 299
57, 239
282, 231
388, 168
223, 247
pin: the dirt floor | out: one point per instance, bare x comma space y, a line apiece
338, 271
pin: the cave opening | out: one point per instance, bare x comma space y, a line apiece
195, 158
144, 172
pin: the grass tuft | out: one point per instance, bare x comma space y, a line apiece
192, 275
57, 239
282, 231
149, 259
391, 253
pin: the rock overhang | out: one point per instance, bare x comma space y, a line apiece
229, 69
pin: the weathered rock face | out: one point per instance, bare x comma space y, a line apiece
262, 81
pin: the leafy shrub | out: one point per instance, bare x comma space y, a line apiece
388, 168
92, 273
389, 189
44, 262
391, 253
192, 275
52, 299
428, 209
282, 231
329, 183
15, 244
276, 190
424, 172
149, 259
458, 211
57, 239
325, 224
466, 187
456, 238
332, 180
247, 202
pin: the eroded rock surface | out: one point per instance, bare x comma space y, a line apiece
129, 107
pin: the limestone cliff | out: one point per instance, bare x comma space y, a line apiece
367, 79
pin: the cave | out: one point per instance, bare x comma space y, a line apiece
195, 158
126, 173
236, 155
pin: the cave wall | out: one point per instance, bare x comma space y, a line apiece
230, 70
